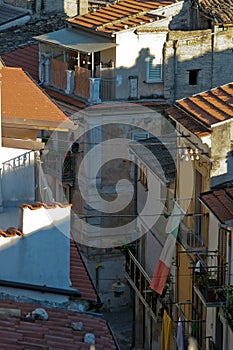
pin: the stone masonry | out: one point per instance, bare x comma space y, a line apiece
14, 38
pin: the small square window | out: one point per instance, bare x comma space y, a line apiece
193, 76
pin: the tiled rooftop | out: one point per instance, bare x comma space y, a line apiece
157, 156
10, 232
19, 332
24, 101
220, 10
120, 15
220, 203
79, 275
26, 58
200, 112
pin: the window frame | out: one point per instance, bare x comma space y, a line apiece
152, 76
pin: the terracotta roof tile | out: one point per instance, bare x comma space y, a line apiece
24, 101
10, 232
220, 203
55, 333
114, 17
220, 10
79, 275
200, 112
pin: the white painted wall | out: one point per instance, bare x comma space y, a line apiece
42, 256
133, 62
18, 180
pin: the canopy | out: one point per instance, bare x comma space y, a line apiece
77, 40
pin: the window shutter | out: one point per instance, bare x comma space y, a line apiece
154, 70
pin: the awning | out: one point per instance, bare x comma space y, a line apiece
77, 40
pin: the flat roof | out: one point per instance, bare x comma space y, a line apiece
77, 40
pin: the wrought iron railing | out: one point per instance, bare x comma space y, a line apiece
140, 282
207, 285
22, 160
190, 234
60, 167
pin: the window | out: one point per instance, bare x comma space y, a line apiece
193, 76
154, 70
222, 254
139, 135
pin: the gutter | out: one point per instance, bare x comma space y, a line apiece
43, 289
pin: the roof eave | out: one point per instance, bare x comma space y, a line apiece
89, 30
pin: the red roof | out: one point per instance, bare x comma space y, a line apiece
220, 203
200, 112
79, 276
120, 15
19, 332
26, 58
24, 102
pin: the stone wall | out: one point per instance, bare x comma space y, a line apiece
204, 51
221, 154
71, 7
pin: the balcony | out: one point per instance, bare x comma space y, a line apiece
140, 281
56, 165
190, 233
193, 325
207, 286
84, 81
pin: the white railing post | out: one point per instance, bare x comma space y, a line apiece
69, 82
47, 69
94, 90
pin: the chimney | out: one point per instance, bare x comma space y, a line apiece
41, 257
82, 7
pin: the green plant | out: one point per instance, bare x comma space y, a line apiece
201, 280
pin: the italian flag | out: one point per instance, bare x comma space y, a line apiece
163, 267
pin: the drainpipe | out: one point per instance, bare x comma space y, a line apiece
228, 282
92, 65
1, 209
212, 56
175, 45
0, 109
98, 266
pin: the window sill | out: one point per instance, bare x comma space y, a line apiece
152, 81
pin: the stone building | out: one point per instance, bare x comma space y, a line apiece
198, 51
44, 7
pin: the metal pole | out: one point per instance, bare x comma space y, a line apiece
92, 65
228, 283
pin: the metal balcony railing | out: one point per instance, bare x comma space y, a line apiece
25, 159
189, 239
208, 287
140, 281
59, 167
